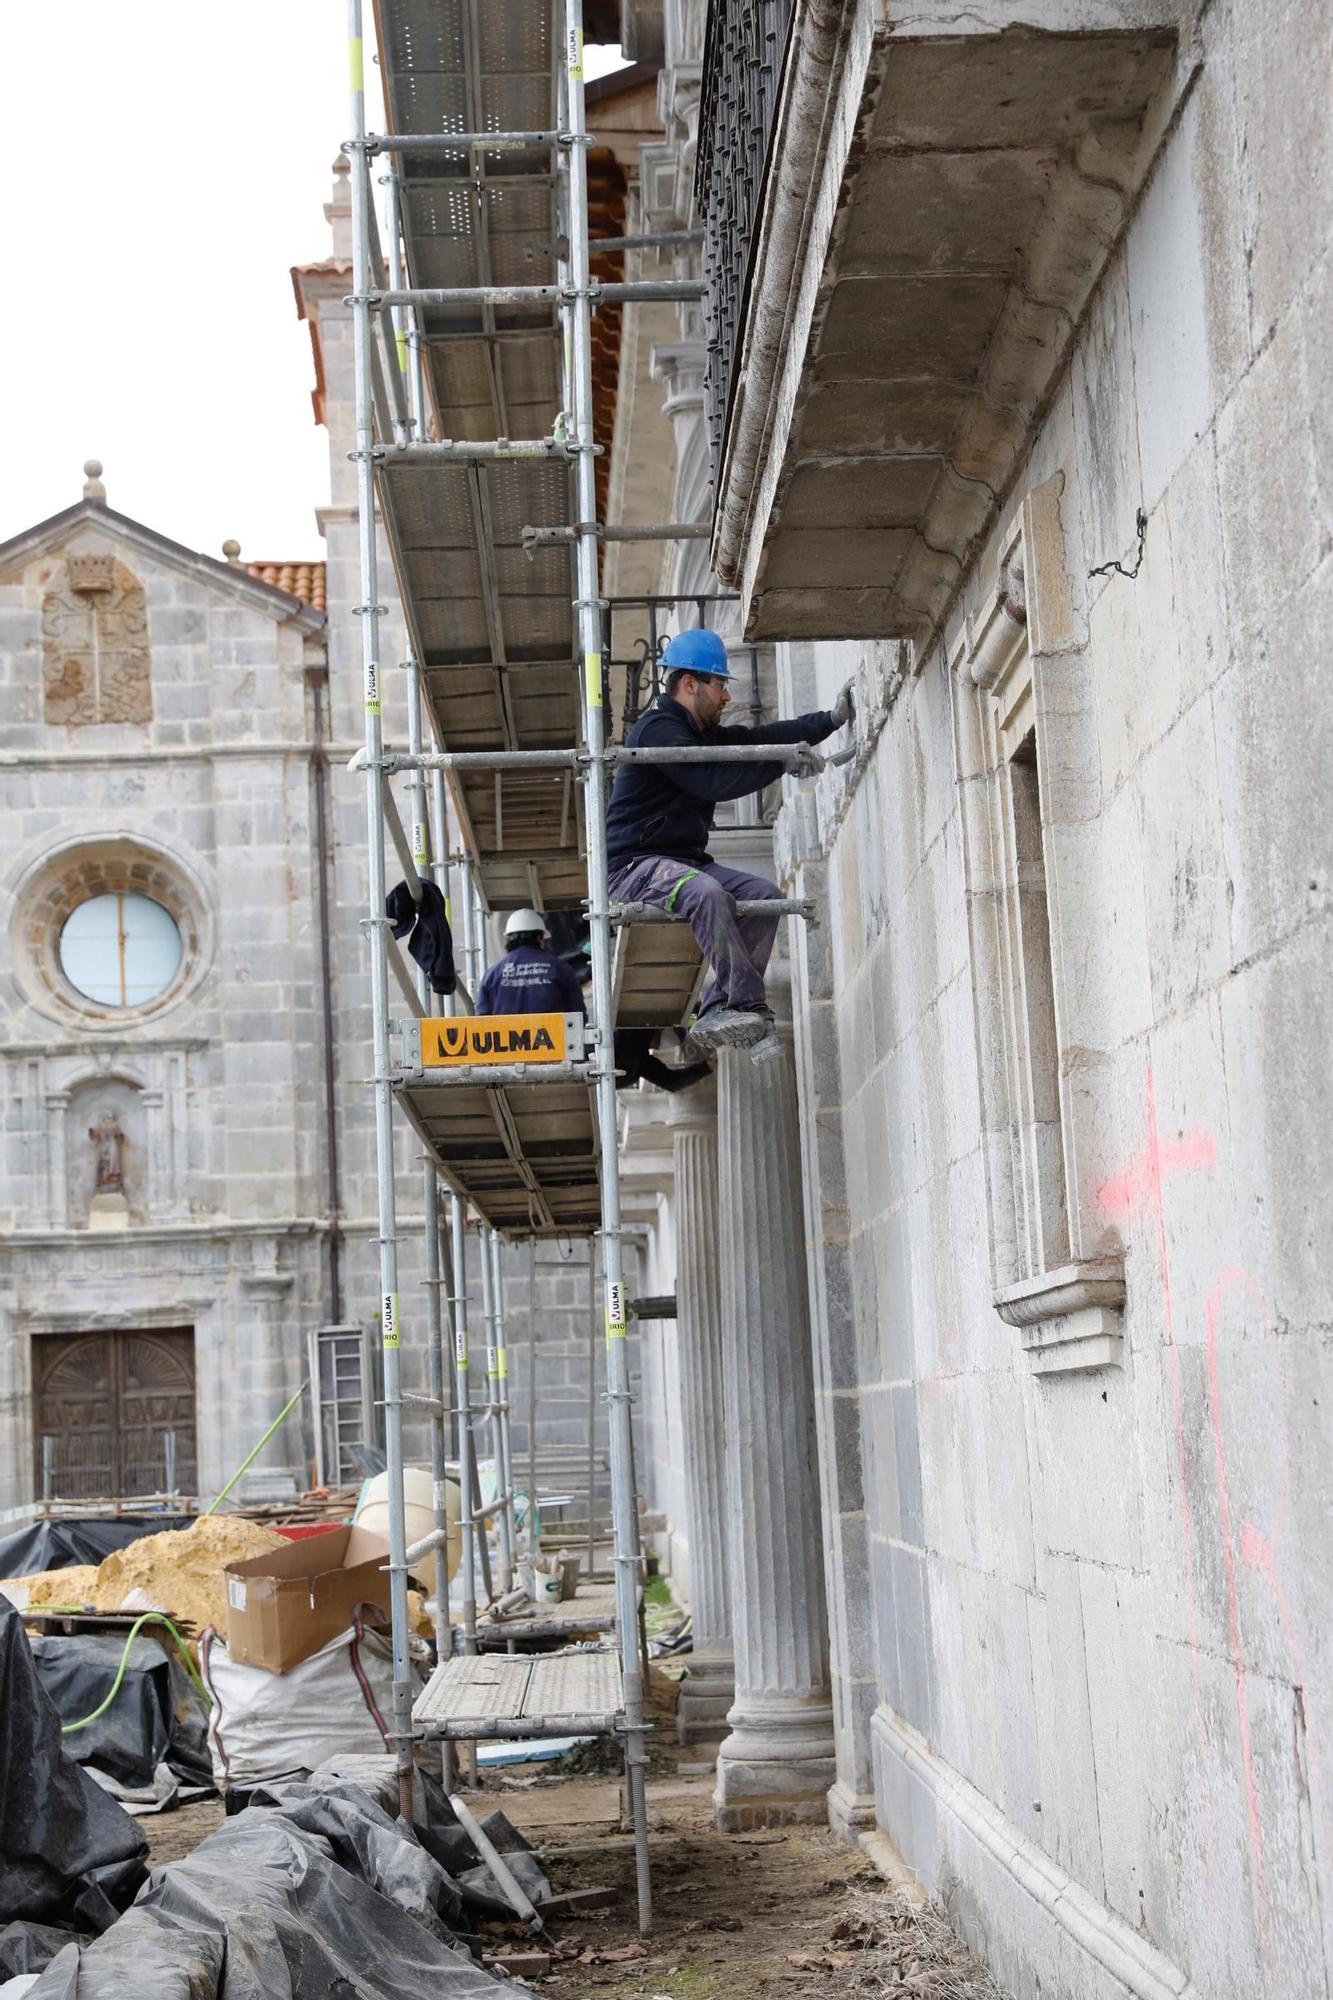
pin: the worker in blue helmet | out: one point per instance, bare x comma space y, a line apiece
661, 818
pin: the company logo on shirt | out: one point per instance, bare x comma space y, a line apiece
492, 1038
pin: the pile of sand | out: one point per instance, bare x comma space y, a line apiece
180, 1571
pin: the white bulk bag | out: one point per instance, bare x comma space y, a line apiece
265, 1726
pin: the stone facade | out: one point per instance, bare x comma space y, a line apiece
158, 745
1060, 1044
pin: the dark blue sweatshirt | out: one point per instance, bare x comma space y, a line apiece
668, 808
528, 980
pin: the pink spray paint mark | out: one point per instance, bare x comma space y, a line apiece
1235, 1638
1142, 1182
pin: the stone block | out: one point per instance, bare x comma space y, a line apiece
1220, 200
1086, 1469
1201, 613
894, 1329
1316, 319
825, 1129
1271, 521
1102, 949
840, 1432
880, 1461
964, 1663
1111, 482
907, 1457
1283, 153
1123, 1672
855, 1656
1271, 775
916, 1667
1168, 311
1067, 1776
886, 1620
1186, 886
840, 1317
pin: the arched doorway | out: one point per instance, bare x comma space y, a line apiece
115, 1414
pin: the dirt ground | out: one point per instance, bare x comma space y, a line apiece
793, 1911
174, 1834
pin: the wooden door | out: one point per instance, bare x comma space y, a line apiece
105, 1406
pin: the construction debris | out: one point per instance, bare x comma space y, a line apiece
180, 1571
884, 1944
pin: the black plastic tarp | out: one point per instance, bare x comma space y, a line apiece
68, 1854
58, 1544
321, 1893
157, 1717
26, 1947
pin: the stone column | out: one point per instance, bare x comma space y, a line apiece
706, 1692
778, 1762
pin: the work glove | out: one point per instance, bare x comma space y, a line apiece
844, 708
808, 765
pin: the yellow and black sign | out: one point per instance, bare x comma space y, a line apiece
492, 1038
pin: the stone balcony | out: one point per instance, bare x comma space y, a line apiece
943, 190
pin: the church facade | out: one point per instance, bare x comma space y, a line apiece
165, 1185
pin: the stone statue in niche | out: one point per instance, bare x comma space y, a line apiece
106, 1154
95, 659
110, 1143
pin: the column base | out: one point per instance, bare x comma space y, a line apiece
850, 1812
777, 1766
704, 1701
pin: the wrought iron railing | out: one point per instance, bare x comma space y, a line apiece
743, 56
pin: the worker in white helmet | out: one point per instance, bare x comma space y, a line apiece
530, 978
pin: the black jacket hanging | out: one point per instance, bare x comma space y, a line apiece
431, 943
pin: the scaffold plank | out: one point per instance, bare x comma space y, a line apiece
514, 1689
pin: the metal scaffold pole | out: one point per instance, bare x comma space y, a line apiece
505, 1467
495, 1371
432, 1280
624, 1512
369, 610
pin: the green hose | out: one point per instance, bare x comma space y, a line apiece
148, 1618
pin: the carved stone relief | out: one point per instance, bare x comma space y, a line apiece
95, 658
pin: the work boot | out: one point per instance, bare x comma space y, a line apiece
769, 1043
723, 1027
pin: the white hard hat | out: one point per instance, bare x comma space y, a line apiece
524, 923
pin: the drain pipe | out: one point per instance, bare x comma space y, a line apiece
318, 680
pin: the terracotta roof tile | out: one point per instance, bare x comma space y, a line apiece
305, 580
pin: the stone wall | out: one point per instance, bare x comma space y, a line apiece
1079, 1591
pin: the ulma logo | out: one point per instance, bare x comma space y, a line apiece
493, 1038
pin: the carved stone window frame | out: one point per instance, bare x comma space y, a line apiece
1066, 1306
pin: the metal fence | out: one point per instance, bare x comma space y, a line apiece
744, 53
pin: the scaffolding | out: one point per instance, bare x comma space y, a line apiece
475, 450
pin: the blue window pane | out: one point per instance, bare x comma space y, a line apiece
120, 950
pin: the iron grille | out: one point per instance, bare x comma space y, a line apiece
744, 52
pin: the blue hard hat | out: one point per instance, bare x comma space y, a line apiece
698, 652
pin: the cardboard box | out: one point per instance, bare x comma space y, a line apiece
284, 1606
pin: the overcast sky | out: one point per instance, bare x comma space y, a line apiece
170, 163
